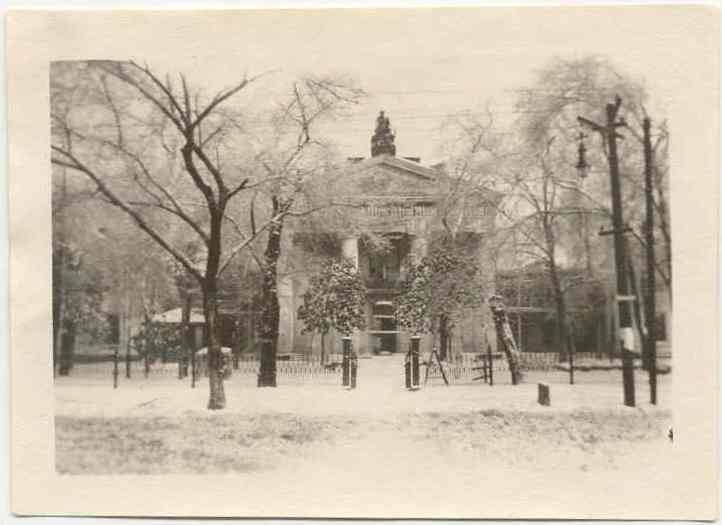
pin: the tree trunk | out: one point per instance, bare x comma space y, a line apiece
271, 307
561, 314
443, 337
58, 274
67, 348
186, 345
505, 339
214, 357
561, 310
323, 348
58, 327
237, 341
147, 345
127, 353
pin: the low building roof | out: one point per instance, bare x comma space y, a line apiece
175, 316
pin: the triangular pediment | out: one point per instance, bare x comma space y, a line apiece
391, 176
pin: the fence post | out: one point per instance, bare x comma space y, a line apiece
115, 366
193, 369
490, 359
345, 362
127, 359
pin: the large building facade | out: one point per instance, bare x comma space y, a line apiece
399, 200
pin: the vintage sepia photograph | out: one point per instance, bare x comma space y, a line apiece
213, 244
358, 255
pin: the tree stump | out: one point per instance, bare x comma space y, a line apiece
543, 395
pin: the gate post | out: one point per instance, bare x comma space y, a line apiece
407, 369
346, 361
414, 362
354, 369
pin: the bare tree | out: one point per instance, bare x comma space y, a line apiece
294, 166
122, 126
566, 88
530, 191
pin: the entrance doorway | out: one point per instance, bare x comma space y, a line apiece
383, 332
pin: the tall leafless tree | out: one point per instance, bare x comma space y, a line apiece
121, 125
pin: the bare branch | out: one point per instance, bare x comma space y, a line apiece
117, 72
74, 163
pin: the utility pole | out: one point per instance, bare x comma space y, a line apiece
626, 332
651, 312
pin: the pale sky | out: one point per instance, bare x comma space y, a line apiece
419, 65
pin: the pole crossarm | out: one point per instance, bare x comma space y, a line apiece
603, 130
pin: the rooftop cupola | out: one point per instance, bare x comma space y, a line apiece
382, 141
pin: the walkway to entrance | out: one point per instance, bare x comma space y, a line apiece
381, 373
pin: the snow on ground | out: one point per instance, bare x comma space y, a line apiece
434, 452
380, 391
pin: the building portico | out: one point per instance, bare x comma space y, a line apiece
393, 218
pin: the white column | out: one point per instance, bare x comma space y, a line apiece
287, 315
349, 248
419, 248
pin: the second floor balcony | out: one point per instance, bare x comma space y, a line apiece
383, 280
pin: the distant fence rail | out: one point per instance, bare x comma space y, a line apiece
301, 369
290, 369
538, 361
468, 368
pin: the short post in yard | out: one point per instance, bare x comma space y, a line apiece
543, 396
346, 361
